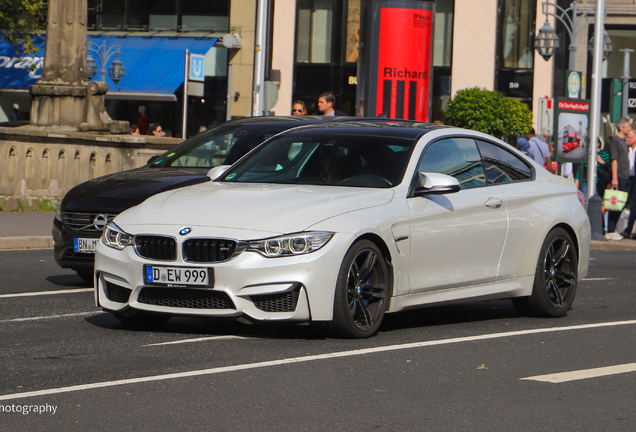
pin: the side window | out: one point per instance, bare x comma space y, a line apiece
501, 165
457, 157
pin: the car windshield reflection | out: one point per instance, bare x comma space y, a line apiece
221, 146
327, 159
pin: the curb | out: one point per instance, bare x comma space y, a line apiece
611, 245
26, 242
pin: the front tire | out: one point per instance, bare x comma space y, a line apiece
362, 291
555, 278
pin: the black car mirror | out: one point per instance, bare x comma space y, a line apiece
436, 184
152, 159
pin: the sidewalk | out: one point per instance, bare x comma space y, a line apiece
26, 230
32, 230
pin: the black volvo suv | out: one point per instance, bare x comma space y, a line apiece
87, 208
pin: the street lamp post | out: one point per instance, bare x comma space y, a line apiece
594, 201
116, 70
546, 42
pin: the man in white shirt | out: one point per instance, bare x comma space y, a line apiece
539, 151
630, 138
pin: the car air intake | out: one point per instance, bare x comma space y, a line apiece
280, 302
208, 250
156, 247
185, 298
116, 293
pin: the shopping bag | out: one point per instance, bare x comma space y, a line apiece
614, 199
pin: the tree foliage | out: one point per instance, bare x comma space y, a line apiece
19, 19
489, 112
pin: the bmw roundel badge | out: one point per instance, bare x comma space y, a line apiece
185, 230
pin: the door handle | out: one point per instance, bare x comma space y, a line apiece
494, 203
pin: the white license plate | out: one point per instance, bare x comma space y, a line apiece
85, 245
176, 276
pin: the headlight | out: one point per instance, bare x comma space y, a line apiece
116, 238
294, 244
58, 212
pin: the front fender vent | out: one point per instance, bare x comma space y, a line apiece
280, 302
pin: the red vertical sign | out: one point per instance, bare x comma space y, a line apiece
404, 60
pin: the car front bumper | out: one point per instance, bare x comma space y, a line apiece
63, 252
297, 288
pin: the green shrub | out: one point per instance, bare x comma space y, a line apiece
21, 207
489, 112
45, 206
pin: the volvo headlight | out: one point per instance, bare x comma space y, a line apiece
116, 238
294, 244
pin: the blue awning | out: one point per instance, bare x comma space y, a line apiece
154, 66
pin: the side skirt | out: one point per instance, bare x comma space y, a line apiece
517, 287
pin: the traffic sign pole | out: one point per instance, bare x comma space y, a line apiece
185, 93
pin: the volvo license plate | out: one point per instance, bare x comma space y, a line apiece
178, 276
85, 245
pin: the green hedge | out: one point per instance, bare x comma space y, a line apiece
489, 112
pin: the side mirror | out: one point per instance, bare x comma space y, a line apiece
217, 171
152, 159
436, 184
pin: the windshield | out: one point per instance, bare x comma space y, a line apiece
328, 158
223, 145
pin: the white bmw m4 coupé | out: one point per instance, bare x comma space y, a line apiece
342, 223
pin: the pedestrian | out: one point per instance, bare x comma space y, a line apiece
603, 171
619, 162
167, 133
299, 108
156, 130
539, 151
631, 197
134, 130
142, 121
523, 145
603, 175
326, 102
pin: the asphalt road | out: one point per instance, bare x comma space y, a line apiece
449, 368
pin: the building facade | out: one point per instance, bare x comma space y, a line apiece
312, 46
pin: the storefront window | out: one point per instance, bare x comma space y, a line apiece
171, 15
621, 39
314, 31
515, 36
443, 39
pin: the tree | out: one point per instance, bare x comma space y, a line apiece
489, 112
19, 19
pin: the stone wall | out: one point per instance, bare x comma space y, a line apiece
38, 164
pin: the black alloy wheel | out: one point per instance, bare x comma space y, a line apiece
555, 278
361, 292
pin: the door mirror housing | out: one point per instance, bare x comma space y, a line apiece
436, 184
217, 171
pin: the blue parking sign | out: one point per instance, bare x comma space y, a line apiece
197, 62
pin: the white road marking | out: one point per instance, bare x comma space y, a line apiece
201, 339
584, 374
41, 293
305, 359
597, 279
51, 317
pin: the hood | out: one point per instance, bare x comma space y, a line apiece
267, 208
117, 192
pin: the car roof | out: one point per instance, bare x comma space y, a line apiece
372, 126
